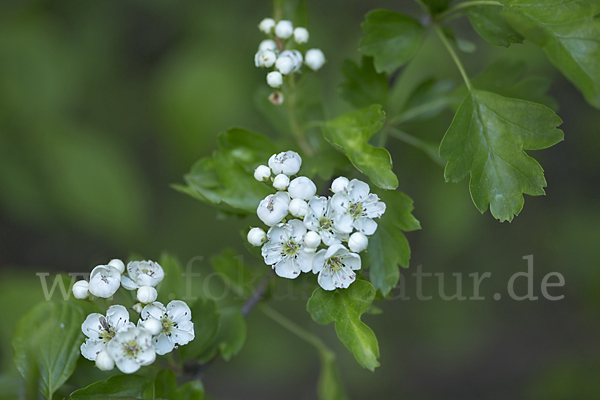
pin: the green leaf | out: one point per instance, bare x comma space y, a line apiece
231, 335
392, 39
426, 101
118, 386
569, 35
491, 26
191, 391
487, 139
236, 275
388, 246
206, 321
437, 6
363, 85
330, 386
49, 335
247, 148
463, 45
170, 287
350, 134
345, 306
164, 384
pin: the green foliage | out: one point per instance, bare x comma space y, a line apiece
487, 138
206, 321
363, 85
345, 308
170, 288
492, 26
569, 35
388, 247
350, 133
392, 39
330, 385
233, 271
191, 391
164, 385
47, 338
118, 386
231, 335
437, 5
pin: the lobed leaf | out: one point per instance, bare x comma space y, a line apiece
206, 321
363, 85
491, 25
118, 386
191, 391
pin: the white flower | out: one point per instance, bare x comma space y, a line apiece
285, 251
274, 79
266, 25
267, 44
284, 29
281, 182
104, 281
147, 294
358, 242
356, 208
142, 273
289, 61
153, 326
340, 184
80, 289
118, 264
302, 188
265, 58
262, 173
101, 330
298, 207
256, 236
319, 218
335, 267
104, 362
314, 59
273, 208
131, 349
177, 326
287, 162
301, 35
312, 239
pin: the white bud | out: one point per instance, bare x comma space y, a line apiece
118, 264
147, 294
273, 208
274, 79
265, 58
267, 44
262, 173
340, 184
80, 289
302, 188
314, 59
287, 162
298, 207
358, 242
256, 236
284, 29
301, 35
138, 307
312, 239
289, 61
266, 25
153, 326
104, 361
281, 182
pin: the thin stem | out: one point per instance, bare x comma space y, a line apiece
418, 111
427, 148
257, 295
454, 56
294, 125
442, 16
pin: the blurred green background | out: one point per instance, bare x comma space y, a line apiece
103, 105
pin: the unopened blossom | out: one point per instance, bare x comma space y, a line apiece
267, 44
289, 61
80, 289
335, 267
281, 182
142, 273
358, 242
298, 207
176, 321
105, 280
356, 208
284, 29
312, 239
320, 218
301, 35
104, 361
100, 330
118, 264
267, 25
274, 79
287, 162
314, 59
265, 58
256, 236
262, 173
147, 294
131, 349
285, 250
302, 188
340, 184
273, 208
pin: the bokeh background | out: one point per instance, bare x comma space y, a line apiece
104, 105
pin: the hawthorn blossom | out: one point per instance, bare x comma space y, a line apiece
285, 250
287, 162
101, 330
131, 349
355, 208
302, 188
273, 208
105, 280
335, 267
142, 273
320, 218
177, 327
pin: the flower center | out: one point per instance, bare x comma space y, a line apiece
356, 210
270, 206
107, 334
290, 248
334, 263
167, 325
131, 349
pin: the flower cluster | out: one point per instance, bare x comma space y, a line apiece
112, 339
278, 52
313, 233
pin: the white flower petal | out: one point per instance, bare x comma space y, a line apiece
179, 311
147, 356
325, 279
163, 344
318, 261
351, 260
127, 365
365, 225
128, 283
155, 310
287, 268
182, 336
91, 347
305, 260
91, 327
117, 316
358, 190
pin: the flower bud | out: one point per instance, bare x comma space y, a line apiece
265, 58
274, 79
80, 289
273, 208
284, 29
287, 162
262, 173
358, 242
276, 98
314, 59
267, 44
301, 35
138, 307
340, 184
153, 326
266, 25
281, 182
147, 294
302, 188
118, 264
312, 240
104, 361
298, 208
256, 236
289, 61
